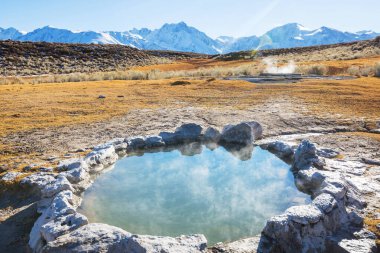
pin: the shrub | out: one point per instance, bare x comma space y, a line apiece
377, 70
180, 83
317, 70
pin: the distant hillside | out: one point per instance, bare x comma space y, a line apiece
36, 58
340, 51
181, 37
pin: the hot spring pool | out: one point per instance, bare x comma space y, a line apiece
223, 195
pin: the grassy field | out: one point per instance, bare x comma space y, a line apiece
26, 107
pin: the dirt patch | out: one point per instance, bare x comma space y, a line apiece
18, 212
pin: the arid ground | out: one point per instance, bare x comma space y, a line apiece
42, 123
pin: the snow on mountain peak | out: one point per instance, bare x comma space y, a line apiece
181, 37
302, 28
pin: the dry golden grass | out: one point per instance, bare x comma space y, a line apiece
195, 64
26, 107
371, 224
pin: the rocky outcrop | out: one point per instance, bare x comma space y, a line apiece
306, 157
93, 237
101, 157
307, 228
280, 149
334, 209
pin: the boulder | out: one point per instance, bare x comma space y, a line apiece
306, 214
76, 175
37, 181
59, 184
120, 144
136, 143
62, 225
61, 205
101, 156
211, 135
244, 133
168, 138
299, 230
333, 186
325, 202
71, 164
154, 141
93, 237
188, 133
10, 176
309, 180
306, 157
161, 244
280, 149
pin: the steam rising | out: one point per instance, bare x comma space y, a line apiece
210, 192
273, 68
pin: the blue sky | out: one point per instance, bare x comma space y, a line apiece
214, 17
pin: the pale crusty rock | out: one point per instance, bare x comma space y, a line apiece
59, 184
280, 149
327, 153
161, 244
333, 186
62, 225
71, 164
362, 185
39, 179
247, 245
306, 156
101, 156
306, 214
120, 144
93, 237
10, 176
358, 246
61, 205
325, 202
309, 180
76, 175
351, 167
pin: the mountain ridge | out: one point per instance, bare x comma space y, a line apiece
182, 37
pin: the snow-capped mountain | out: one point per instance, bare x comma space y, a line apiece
181, 37
51, 34
9, 33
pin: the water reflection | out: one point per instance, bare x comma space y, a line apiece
224, 193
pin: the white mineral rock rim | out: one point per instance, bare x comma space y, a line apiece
308, 228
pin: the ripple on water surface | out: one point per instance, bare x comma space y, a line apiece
223, 195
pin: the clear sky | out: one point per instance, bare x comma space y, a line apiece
214, 17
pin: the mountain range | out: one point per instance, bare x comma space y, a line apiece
181, 37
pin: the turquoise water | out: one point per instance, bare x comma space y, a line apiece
225, 196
